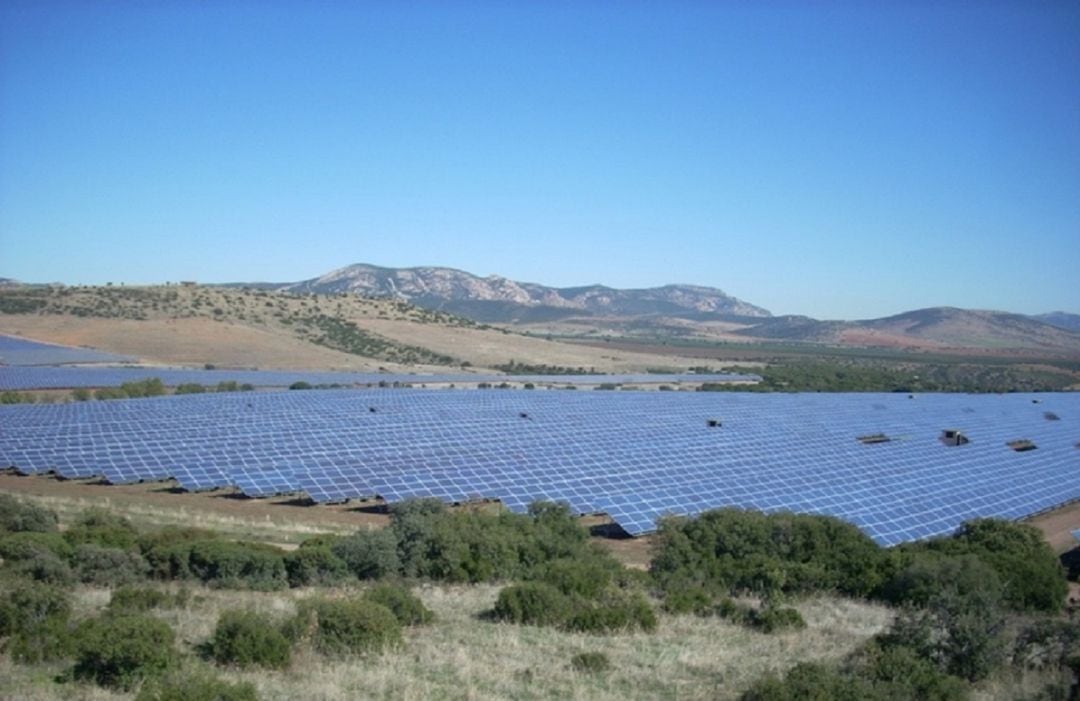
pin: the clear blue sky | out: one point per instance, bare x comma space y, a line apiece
836, 159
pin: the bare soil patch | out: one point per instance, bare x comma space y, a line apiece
1057, 526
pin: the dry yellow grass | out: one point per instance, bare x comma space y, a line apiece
463, 656
248, 328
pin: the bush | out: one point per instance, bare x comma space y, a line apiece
532, 603
900, 673
200, 686
35, 617
17, 516
732, 551
591, 662
108, 566
120, 650
474, 546
100, 527
244, 639
347, 626
137, 599
314, 566
772, 619
300, 385
190, 388
168, 551
150, 387
406, 606
42, 565
688, 598
576, 577
619, 613
959, 630
369, 554
28, 544
238, 565
815, 682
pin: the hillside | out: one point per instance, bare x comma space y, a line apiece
497, 299
1062, 320
243, 328
937, 328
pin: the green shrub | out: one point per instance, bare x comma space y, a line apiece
577, 577
81, 394
900, 673
961, 631
813, 682
624, 612
245, 639
731, 551
168, 551
476, 546
120, 650
28, 544
238, 565
772, 619
314, 566
532, 603
18, 516
199, 686
300, 384
369, 554
110, 567
406, 606
1030, 571
34, 617
347, 626
590, 662
150, 387
43, 566
138, 599
190, 388
101, 527
684, 597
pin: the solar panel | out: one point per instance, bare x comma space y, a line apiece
635, 455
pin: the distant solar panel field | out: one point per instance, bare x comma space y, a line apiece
27, 378
900, 468
23, 353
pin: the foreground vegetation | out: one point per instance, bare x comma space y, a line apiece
467, 603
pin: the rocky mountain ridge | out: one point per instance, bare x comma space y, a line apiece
499, 299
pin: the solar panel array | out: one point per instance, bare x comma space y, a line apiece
634, 455
22, 352
26, 378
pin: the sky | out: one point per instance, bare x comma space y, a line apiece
835, 159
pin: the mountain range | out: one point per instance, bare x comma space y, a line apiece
689, 310
683, 311
497, 299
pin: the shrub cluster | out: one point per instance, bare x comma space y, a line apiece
17, 516
736, 551
246, 639
577, 595
346, 626
119, 650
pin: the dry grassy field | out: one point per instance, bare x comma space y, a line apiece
236, 328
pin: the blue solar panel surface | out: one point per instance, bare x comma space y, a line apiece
637, 456
22, 352
26, 378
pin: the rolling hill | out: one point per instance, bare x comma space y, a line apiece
933, 328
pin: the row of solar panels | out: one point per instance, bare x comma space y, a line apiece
633, 455
22, 352
27, 378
